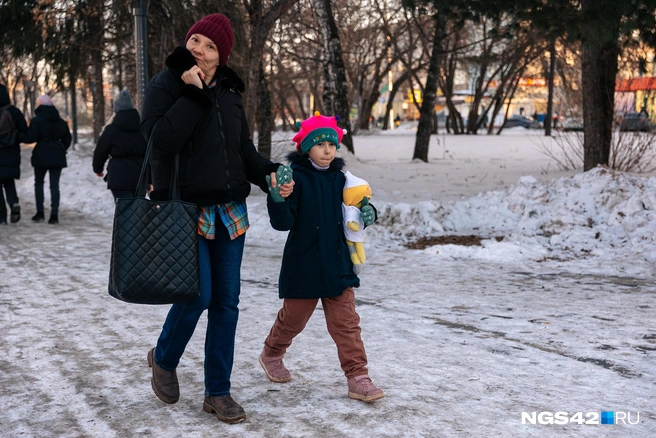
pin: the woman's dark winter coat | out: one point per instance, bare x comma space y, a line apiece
52, 138
316, 261
208, 127
10, 157
123, 142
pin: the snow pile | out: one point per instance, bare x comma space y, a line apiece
597, 213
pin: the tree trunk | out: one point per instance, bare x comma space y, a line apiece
264, 116
509, 97
424, 128
600, 51
454, 120
388, 109
119, 65
390, 104
335, 87
284, 108
474, 120
498, 105
365, 112
552, 69
253, 83
98, 95
74, 109
395, 87
96, 23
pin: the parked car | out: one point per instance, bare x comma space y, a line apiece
571, 124
522, 121
635, 122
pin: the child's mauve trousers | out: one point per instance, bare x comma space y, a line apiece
343, 325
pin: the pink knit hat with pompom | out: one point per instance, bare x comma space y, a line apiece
317, 129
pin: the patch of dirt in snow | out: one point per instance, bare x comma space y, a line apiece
470, 240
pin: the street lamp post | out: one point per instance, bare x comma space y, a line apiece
139, 10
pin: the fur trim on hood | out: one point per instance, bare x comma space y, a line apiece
304, 160
182, 60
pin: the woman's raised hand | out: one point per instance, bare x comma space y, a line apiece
194, 76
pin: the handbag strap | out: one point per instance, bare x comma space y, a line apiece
142, 185
174, 190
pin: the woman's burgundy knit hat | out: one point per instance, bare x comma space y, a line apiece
217, 28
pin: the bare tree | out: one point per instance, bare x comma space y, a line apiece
262, 18
513, 65
367, 35
629, 151
409, 34
295, 71
424, 128
335, 87
446, 79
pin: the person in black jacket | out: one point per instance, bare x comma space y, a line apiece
53, 138
194, 109
123, 141
10, 158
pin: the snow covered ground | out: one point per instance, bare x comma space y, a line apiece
555, 311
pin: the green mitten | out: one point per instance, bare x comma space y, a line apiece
283, 176
367, 212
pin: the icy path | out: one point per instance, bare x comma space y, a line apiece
460, 348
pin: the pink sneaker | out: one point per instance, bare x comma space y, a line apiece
362, 388
275, 369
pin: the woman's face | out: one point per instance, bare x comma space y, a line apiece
205, 53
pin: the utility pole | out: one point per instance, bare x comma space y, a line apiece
552, 69
390, 75
139, 10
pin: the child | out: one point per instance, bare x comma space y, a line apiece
316, 262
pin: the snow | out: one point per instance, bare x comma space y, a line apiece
554, 311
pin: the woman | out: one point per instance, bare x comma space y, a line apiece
194, 109
123, 141
52, 139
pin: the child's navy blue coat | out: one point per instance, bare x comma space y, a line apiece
316, 262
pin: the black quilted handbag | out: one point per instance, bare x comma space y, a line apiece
154, 246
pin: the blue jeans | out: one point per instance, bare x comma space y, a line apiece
39, 180
220, 265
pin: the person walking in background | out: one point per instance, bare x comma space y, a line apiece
12, 129
316, 264
53, 138
123, 142
194, 110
